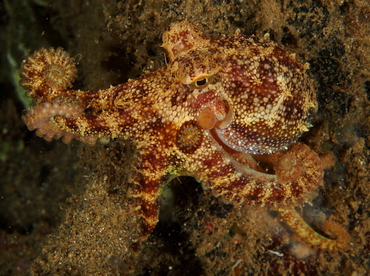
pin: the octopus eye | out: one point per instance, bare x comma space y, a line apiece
201, 83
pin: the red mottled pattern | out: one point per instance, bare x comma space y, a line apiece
218, 103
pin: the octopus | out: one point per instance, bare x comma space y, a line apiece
228, 112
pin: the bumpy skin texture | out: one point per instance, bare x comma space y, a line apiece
216, 104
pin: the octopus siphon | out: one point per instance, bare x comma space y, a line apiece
227, 112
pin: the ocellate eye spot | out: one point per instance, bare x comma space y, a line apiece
189, 137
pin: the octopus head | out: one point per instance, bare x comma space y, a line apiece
255, 95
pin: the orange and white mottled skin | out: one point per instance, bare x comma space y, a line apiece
218, 102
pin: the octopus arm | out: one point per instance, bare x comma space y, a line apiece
71, 121
305, 233
150, 178
47, 73
42, 117
239, 184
